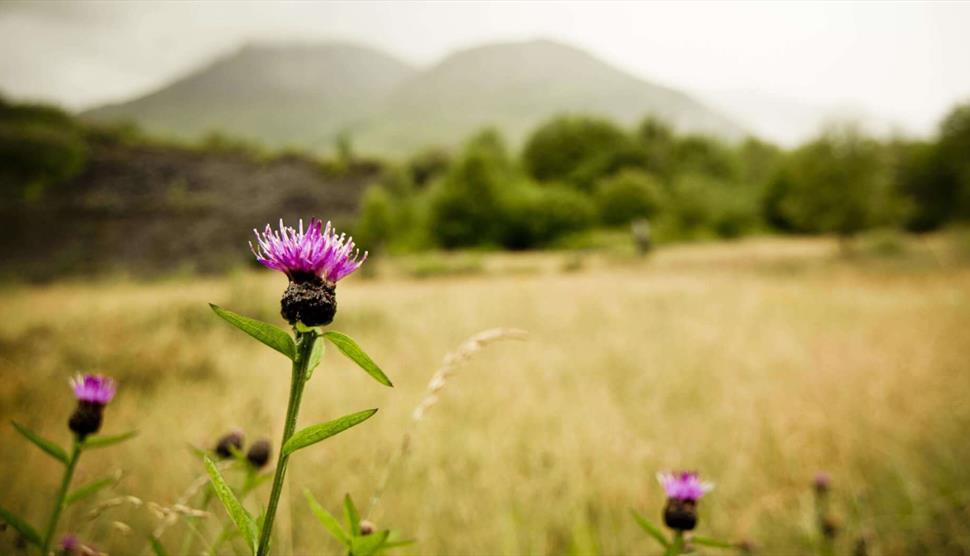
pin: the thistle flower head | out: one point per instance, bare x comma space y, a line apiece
822, 482
684, 485
69, 543
304, 254
94, 389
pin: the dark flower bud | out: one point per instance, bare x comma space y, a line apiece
829, 527
680, 515
258, 454
229, 442
310, 300
86, 419
367, 527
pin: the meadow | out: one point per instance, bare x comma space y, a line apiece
757, 363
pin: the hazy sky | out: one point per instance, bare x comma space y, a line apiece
908, 62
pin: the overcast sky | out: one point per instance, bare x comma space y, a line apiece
905, 61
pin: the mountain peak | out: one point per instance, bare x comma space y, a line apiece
304, 94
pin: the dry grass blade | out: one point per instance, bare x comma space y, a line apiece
452, 362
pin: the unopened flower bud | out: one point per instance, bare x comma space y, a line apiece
367, 527
228, 443
829, 527
258, 454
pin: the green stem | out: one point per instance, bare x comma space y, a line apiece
676, 545
305, 341
61, 495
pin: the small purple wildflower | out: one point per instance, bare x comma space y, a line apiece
69, 542
300, 254
95, 389
684, 485
822, 482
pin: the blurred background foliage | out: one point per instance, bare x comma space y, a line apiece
575, 175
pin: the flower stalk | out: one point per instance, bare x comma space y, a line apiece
305, 342
59, 501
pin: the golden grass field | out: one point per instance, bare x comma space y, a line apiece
757, 363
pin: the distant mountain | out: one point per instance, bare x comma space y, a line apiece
279, 95
306, 95
789, 122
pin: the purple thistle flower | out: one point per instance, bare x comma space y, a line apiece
822, 482
93, 392
94, 389
684, 485
69, 542
317, 252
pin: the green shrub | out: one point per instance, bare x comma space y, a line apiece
702, 206
627, 196
465, 207
40, 147
579, 150
535, 216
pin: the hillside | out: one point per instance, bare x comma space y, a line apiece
515, 86
306, 95
278, 95
152, 209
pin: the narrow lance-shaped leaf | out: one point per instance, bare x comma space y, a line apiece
327, 519
47, 446
350, 348
316, 433
273, 336
651, 529
707, 541
21, 526
157, 547
369, 545
395, 544
244, 522
89, 489
103, 441
351, 515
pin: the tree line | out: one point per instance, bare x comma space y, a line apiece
577, 173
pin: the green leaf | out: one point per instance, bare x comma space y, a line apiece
369, 545
327, 519
352, 516
47, 446
316, 433
315, 355
651, 529
350, 348
157, 547
395, 544
244, 522
273, 336
21, 526
103, 441
89, 489
707, 541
